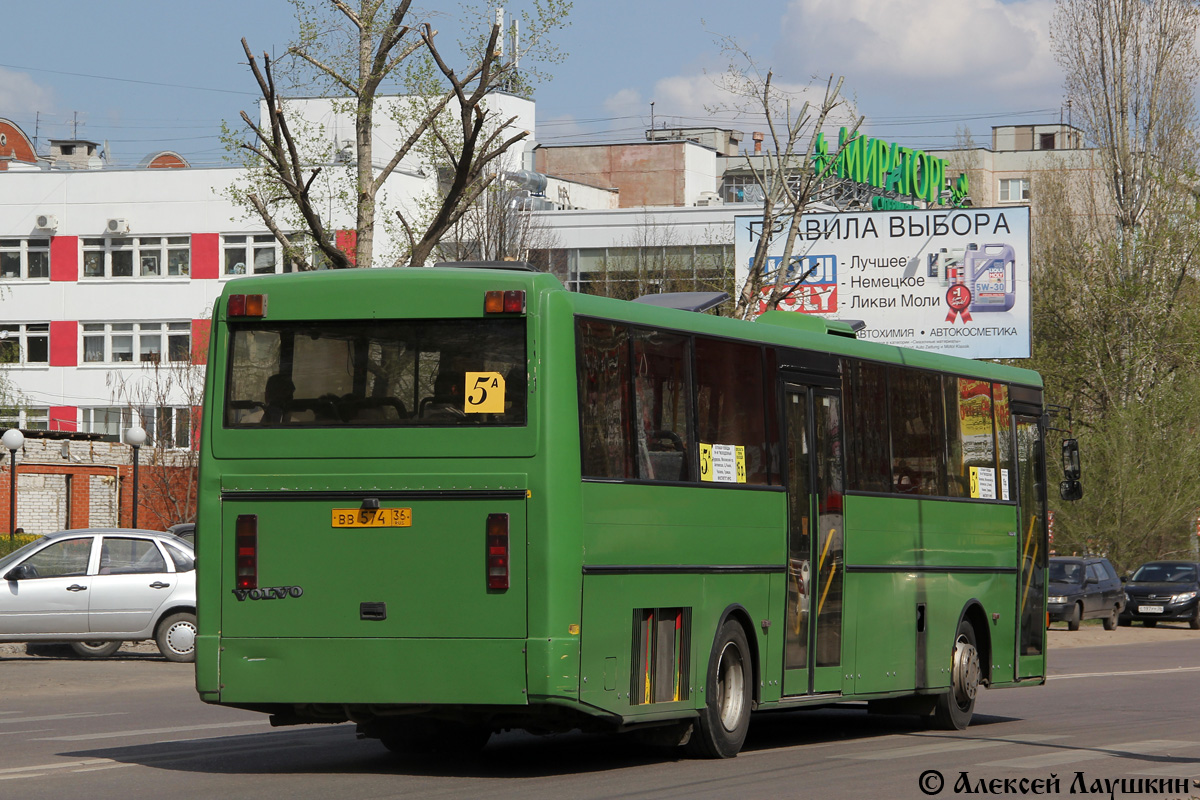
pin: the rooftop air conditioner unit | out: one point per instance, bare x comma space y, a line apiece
709, 199
117, 226
47, 222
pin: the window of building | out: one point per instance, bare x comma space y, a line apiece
1046, 141
740, 189
24, 258
165, 426
106, 420
1014, 190
144, 342
257, 255
27, 419
137, 257
25, 343
168, 426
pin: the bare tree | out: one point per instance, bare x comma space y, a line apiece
784, 174
167, 395
499, 225
355, 51
1131, 68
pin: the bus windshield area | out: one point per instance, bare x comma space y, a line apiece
438, 373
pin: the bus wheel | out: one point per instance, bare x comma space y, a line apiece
955, 707
434, 737
725, 718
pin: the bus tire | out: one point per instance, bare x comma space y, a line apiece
434, 737
728, 690
954, 708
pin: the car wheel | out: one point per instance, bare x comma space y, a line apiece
95, 649
955, 708
176, 637
1110, 622
1076, 615
1150, 623
725, 718
1194, 622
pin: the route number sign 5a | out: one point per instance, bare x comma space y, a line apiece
484, 393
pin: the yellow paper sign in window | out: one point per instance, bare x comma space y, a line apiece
485, 393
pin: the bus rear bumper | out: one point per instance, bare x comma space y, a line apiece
391, 671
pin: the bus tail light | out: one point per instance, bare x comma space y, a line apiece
247, 305
497, 552
247, 551
510, 302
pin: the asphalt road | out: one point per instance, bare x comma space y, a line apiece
132, 726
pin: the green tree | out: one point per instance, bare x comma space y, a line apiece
1116, 313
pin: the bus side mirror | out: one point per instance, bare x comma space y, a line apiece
1070, 456
1070, 490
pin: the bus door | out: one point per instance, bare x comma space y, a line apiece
1032, 547
813, 635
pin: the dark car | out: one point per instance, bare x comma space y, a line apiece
185, 531
1163, 590
1085, 587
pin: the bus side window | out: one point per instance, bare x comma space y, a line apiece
662, 405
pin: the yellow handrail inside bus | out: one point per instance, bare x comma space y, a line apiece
1024, 559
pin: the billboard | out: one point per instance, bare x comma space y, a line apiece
953, 281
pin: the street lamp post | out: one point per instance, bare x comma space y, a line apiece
135, 437
13, 439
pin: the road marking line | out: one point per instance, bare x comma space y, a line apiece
950, 745
106, 766
49, 717
64, 765
18, 733
1120, 674
1071, 755
83, 737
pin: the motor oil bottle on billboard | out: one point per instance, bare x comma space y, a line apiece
990, 272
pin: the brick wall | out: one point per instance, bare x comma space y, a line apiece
90, 486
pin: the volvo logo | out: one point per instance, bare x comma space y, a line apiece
268, 593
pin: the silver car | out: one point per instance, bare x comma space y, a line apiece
98, 587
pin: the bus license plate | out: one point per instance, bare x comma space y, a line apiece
375, 518
1150, 609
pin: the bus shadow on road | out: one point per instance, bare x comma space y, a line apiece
335, 750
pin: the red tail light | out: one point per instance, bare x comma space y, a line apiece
497, 551
510, 302
247, 305
247, 551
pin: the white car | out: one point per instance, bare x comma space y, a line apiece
98, 587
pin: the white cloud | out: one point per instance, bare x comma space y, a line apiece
954, 49
20, 94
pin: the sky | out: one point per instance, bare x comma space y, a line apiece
150, 75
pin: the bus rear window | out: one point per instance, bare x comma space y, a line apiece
437, 373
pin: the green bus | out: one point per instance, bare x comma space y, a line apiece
450, 501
